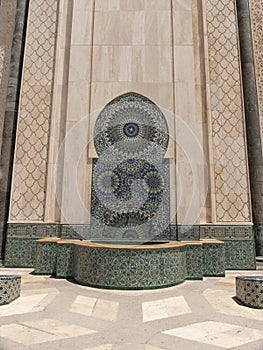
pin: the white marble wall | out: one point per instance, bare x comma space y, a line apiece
157, 48
189, 89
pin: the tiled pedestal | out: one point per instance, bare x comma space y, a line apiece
9, 288
249, 290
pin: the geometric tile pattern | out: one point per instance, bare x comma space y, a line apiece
227, 115
225, 232
30, 164
99, 308
249, 290
240, 254
20, 252
130, 181
64, 261
39, 230
194, 262
224, 335
188, 233
46, 258
9, 288
213, 260
164, 308
107, 266
21, 245
128, 269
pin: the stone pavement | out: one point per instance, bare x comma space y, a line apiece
56, 314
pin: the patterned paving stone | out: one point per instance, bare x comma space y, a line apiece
58, 328
41, 331
25, 335
30, 301
98, 308
164, 308
215, 333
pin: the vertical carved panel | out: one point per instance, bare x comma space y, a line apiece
256, 13
29, 176
2, 56
227, 115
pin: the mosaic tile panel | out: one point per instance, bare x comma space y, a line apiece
64, 261
249, 290
46, 258
20, 252
194, 262
240, 255
130, 183
9, 288
132, 123
30, 163
213, 260
256, 13
128, 269
227, 115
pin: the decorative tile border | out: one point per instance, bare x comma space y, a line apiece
33, 230
226, 232
75, 231
188, 233
9, 288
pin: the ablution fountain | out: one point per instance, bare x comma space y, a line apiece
130, 244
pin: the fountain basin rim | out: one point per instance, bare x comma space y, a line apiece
92, 244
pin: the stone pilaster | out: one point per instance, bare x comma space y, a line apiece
229, 168
252, 119
10, 116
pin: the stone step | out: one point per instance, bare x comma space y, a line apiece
259, 259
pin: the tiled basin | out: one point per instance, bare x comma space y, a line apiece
249, 290
9, 288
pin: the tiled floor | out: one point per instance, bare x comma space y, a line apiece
98, 308
164, 308
56, 314
215, 333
